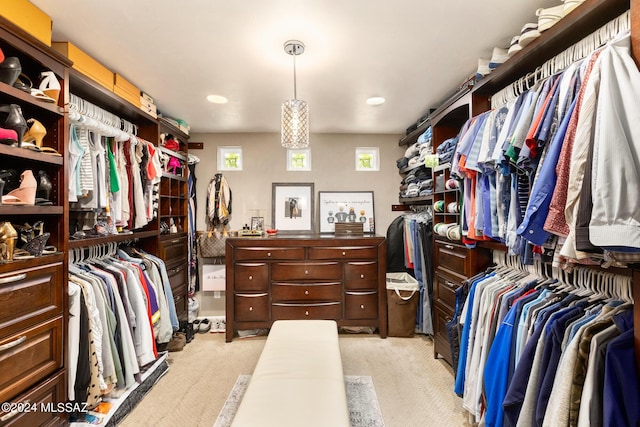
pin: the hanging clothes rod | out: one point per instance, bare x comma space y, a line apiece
84, 113
564, 59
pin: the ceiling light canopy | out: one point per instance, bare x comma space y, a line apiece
295, 112
217, 99
376, 100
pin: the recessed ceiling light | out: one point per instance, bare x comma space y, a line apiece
376, 100
217, 99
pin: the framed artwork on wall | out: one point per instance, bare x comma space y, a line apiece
292, 207
229, 158
367, 159
346, 206
299, 160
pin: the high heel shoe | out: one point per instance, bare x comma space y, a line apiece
25, 194
14, 120
8, 237
10, 69
35, 133
44, 186
50, 85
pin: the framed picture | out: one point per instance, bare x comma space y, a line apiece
367, 159
345, 206
230, 158
299, 160
292, 207
257, 223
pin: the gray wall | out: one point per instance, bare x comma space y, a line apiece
264, 162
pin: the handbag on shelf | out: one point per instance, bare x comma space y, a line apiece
212, 244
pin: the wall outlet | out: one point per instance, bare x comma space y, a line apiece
216, 294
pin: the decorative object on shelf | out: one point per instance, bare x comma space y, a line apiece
346, 206
367, 159
295, 112
292, 207
230, 158
257, 223
299, 160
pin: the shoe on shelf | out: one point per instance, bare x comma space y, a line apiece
528, 34
548, 17
569, 5
14, 119
24, 83
8, 238
25, 194
498, 57
515, 46
483, 68
35, 133
205, 326
50, 85
10, 70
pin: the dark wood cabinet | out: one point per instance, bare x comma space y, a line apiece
312, 277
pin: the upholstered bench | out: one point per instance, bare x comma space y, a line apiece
298, 380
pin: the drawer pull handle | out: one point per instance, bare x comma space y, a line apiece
268, 253
250, 308
344, 253
12, 278
13, 343
362, 306
362, 276
15, 412
250, 277
175, 241
306, 313
306, 292
450, 247
450, 284
306, 272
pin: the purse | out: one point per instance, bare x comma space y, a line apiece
212, 244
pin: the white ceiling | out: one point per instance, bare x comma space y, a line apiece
412, 52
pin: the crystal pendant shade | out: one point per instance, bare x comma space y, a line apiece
295, 124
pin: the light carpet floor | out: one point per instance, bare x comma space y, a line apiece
413, 388
364, 410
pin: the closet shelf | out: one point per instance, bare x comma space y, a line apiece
30, 210
175, 154
172, 130
24, 153
572, 28
170, 236
409, 169
175, 177
23, 97
17, 266
416, 200
81, 243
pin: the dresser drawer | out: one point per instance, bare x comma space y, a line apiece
251, 307
30, 296
361, 275
306, 271
29, 356
174, 251
181, 303
262, 253
306, 291
454, 258
251, 276
45, 395
440, 338
178, 278
445, 291
347, 252
361, 305
323, 311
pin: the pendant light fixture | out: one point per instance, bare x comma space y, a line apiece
295, 112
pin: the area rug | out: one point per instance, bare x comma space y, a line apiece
362, 401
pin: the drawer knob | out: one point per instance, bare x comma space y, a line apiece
268, 253
362, 306
306, 292
362, 276
250, 308
450, 247
13, 343
250, 277
344, 253
306, 313
306, 272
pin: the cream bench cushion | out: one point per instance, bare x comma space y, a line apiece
298, 380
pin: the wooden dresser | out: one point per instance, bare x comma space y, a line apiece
305, 277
